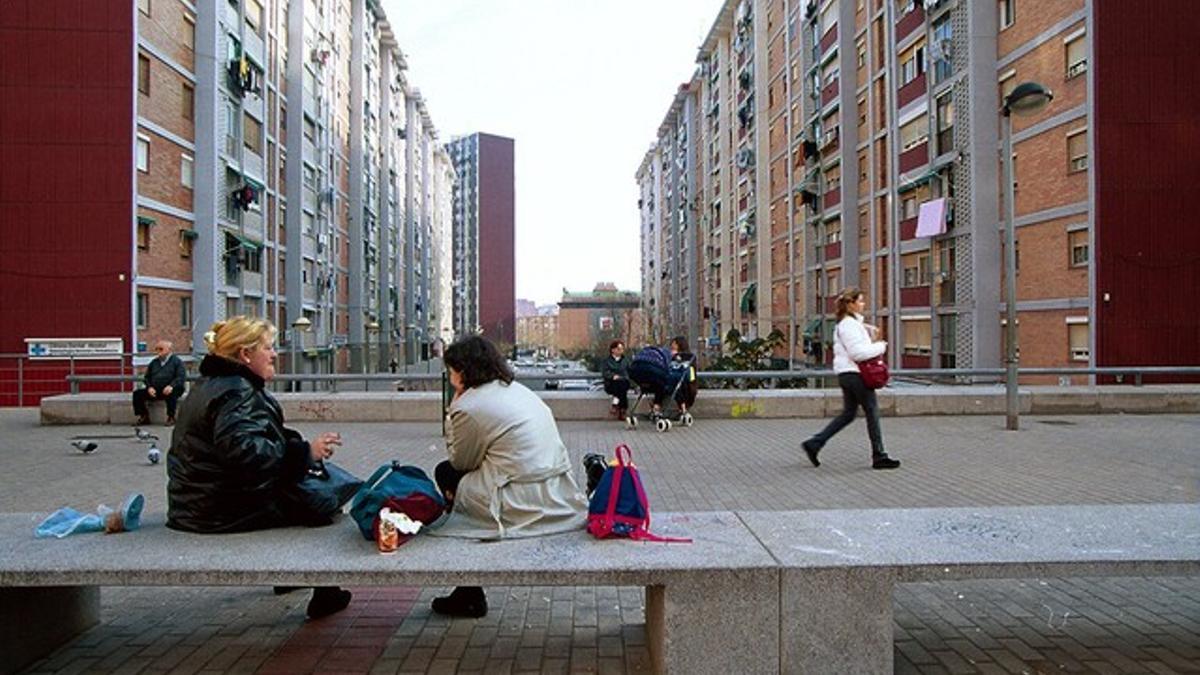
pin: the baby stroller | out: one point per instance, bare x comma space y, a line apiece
659, 375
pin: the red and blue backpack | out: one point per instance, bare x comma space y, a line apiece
618, 507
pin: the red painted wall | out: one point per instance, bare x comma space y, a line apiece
66, 171
497, 282
1147, 173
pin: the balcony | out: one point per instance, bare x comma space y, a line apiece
832, 198
910, 22
828, 39
914, 157
916, 296
829, 93
908, 229
911, 91
833, 251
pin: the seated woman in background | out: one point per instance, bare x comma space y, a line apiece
233, 466
615, 372
508, 474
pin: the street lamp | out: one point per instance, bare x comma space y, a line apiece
372, 327
1027, 98
299, 327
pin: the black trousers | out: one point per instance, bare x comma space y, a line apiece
447, 477
620, 389
855, 395
141, 396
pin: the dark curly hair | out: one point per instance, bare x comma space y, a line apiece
478, 361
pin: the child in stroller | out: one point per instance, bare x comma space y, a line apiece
661, 372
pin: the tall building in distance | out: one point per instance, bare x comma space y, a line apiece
484, 221
289, 178
855, 143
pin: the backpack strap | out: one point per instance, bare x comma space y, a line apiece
642, 532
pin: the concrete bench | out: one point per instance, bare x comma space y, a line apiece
838, 568
707, 603
351, 406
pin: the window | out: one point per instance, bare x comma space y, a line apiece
189, 31
187, 240
1077, 151
908, 207
1077, 241
918, 337
1077, 338
1076, 56
862, 168
185, 312
143, 234
143, 310
309, 223
252, 259
188, 102
231, 113
945, 123
310, 129
143, 153
948, 339
829, 17
144, 74
144, 7
833, 234
1008, 13
912, 65
861, 48
1008, 81
251, 133
187, 170
254, 15
914, 133
940, 49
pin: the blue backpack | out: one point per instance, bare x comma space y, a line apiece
618, 507
394, 481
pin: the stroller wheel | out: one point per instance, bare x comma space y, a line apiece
663, 424
686, 419
631, 422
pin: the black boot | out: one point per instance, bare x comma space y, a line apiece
884, 462
327, 600
463, 601
811, 449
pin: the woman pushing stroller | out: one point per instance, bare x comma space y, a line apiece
661, 372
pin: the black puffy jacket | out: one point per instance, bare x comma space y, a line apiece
233, 465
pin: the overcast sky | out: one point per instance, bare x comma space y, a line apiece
582, 87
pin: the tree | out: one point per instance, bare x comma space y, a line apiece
740, 354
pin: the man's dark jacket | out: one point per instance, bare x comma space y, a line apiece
613, 367
173, 373
233, 466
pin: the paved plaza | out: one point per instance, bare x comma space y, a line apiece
1051, 625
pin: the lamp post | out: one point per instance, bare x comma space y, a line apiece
372, 327
1026, 98
299, 327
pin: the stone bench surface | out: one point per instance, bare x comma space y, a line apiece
156, 555
352, 406
939, 543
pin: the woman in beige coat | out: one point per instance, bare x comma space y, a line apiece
508, 474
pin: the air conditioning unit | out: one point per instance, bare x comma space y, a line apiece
745, 158
1078, 68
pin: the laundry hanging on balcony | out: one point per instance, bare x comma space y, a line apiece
931, 221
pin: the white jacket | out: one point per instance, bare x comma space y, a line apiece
852, 343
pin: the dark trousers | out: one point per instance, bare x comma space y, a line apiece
141, 396
855, 395
620, 389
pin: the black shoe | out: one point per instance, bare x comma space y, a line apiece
811, 450
327, 600
142, 421
885, 462
464, 601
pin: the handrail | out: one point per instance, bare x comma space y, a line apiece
824, 373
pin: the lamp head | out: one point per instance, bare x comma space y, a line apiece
302, 323
1026, 98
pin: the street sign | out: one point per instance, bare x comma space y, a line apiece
78, 348
338, 340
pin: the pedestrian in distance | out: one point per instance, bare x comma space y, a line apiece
615, 372
165, 380
508, 474
853, 341
233, 465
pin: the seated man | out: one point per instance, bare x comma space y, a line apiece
616, 378
165, 380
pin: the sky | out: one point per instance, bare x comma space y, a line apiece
582, 87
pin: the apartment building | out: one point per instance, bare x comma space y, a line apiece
483, 267
864, 135
277, 179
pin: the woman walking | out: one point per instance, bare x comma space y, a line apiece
853, 341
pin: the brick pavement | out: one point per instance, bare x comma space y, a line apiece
1122, 625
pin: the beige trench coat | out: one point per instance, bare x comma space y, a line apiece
520, 482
